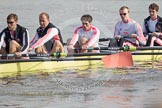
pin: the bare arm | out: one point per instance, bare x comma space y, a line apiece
50, 34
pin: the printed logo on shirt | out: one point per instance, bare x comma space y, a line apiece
125, 33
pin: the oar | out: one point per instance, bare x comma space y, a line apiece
7, 55
58, 55
108, 61
108, 52
111, 61
126, 48
104, 39
47, 59
154, 34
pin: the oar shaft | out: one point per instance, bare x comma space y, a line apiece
47, 59
104, 39
149, 48
102, 48
82, 54
130, 48
154, 34
109, 48
59, 55
7, 55
72, 54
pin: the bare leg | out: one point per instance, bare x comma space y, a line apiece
84, 41
159, 41
14, 47
152, 41
41, 50
57, 47
68, 46
76, 46
3, 51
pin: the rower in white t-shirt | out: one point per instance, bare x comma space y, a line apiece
128, 32
85, 36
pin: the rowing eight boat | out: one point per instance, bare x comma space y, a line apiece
10, 68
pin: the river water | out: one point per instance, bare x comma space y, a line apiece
135, 87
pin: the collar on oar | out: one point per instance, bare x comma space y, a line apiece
128, 48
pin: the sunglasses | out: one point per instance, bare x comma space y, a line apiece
84, 23
151, 11
10, 22
123, 14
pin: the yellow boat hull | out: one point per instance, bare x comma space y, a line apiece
24, 68
148, 58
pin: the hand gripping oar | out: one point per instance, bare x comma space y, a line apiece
155, 34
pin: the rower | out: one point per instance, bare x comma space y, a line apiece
48, 37
153, 26
128, 31
14, 39
85, 36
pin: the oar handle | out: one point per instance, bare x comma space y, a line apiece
104, 39
151, 34
126, 36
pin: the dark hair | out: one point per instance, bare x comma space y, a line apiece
12, 15
87, 17
124, 7
154, 6
44, 13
